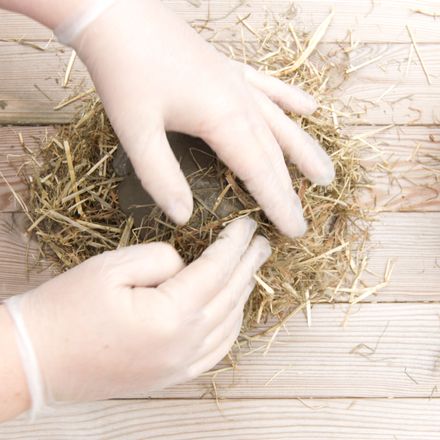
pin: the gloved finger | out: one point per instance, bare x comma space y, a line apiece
275, 155
300, 148
213, 358
222, 313
236, 292
144, 265
239, 145
289, 97
220, 333
203, 279
160, 174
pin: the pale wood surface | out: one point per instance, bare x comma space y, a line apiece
385, 22
338, 419
406, 184
386, 349
411, 101
410, 240
31, 84
18, 271
12, 157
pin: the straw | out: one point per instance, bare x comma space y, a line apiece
428, 12
419, 55
75, 212
69, 68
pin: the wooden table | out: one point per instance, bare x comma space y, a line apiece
376, 378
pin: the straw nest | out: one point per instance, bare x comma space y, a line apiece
75, 213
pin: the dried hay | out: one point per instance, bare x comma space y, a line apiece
75, 214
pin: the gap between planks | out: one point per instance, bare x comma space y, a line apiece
410, 102
385, 349
412, 188
370, 22
394, 236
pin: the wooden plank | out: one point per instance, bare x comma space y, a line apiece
370, 22
405, 171
315, 362
386, 92
410, 183
13, 157
19, 270
410, 240
409, 189
385, 350
31, 84
385, 234
239, 420
19, 26
409, 99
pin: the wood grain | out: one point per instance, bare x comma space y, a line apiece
385, 350
410, 240
404, 171
388, 349
29, 95
350, 419
13, 157
19, 268
369, 22
30, 84
410, 181
385, 92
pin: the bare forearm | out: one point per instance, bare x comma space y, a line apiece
48, 12
14, 395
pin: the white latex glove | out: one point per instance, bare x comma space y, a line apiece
135, 320
154, 73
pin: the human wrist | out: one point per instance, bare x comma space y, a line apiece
73, 26
14, 395
51, 13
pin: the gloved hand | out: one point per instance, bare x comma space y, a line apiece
154, 73
135, 320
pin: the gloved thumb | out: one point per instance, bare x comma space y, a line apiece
142, 265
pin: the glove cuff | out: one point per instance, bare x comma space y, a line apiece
68, 31
28, 357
